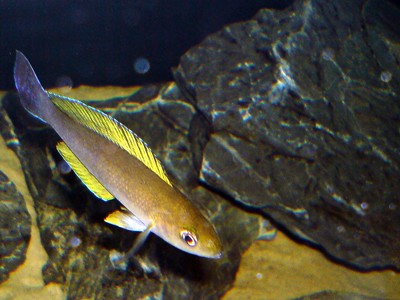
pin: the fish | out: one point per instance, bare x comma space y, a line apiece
114, 163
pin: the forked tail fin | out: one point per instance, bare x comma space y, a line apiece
31, 93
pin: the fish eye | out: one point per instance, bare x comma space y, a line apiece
189, 237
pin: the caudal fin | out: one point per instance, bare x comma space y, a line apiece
31, 93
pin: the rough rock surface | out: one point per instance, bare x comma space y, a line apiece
302, 119
15, 221
26, 281
293, 114
70, 218
15, 228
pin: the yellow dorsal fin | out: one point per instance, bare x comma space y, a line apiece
87, 178
112, 130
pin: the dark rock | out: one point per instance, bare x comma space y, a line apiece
15, 227
81, 245
15, 221
293, 114
331, 295
304, 116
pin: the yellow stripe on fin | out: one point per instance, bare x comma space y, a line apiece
87, 178
112, 130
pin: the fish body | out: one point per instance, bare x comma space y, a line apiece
114, 163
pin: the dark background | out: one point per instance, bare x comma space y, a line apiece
97, 42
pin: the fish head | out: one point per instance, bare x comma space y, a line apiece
192, 233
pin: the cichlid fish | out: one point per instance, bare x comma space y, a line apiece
113, 162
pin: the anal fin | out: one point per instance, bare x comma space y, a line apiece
125, 219
83, 173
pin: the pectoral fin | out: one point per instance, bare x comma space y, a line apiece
83, 173
125, 219
135, 247
139, 241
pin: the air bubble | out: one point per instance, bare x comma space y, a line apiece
64, 168
364, 205
141, 65
386, 76
65, 83
75, 241
340, 228
118, 261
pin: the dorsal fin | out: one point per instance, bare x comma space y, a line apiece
112, 130
83, 173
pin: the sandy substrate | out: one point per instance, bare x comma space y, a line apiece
26, 282
284, 269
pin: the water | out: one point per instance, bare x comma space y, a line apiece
289, 147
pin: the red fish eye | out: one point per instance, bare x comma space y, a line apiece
189, 238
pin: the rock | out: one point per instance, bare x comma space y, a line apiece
22, 252
15, 221
285, 269
70, 219
337, 296
286, 115
15, 225
302, 120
